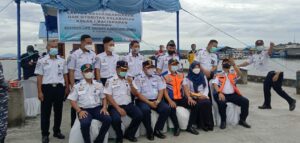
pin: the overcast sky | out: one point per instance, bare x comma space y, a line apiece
271, 20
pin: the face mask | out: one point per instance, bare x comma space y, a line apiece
171, 52
122, 74
150, 72
30, 53
53, 51
111, 49
260, 48
196, 70
174, 68
136, 50
88, 47
213, 49
89, 75
226, 66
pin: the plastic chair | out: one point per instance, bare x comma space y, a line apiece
76, 136
232, 111
183, 116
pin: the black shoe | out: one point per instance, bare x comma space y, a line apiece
119, 140
205, 129
59, 136
192, 131
244, 124
210, 128
158, 134
264, 107
45, 139
150, 137
223, 125
176, 131
293, 105
132, 139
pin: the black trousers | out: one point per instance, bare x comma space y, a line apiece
163, 109
193, 115
103, 80
212, 74
235, 99
133, 112
53, 96
277, 86
205, 117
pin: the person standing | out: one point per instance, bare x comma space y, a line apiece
117, 90
150, 88
192, 54
28, 62
197, 84
134, 60
3, 105
260, 60
106, 61
162, 65
81, 56
227, 91
52, 81
88, 100
176, 89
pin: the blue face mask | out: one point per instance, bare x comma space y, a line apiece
122, 74
174, 68
213, 49
53, 52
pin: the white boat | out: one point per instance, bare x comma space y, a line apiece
293, 51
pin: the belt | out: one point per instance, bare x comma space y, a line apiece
53, 84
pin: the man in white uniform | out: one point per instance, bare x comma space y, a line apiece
88, 100
134, 60
106, 61
273, 79
52, 81
162, 65
83, 55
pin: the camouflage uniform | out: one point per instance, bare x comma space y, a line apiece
3, 105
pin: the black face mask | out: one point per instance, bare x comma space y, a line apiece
226, 66
171, 52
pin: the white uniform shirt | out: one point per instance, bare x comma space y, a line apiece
52, 70
119, 89
79, 58
201, 89
228, 88
206, 59
87, 95
163, 61
106, 64
260, 61
149, 86
135, 64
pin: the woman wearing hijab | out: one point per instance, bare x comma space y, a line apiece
198, 87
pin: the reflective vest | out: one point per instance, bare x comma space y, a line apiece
232, 78
174, 85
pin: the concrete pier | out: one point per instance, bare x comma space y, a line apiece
16, 114
278, 125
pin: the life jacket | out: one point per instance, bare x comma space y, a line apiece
232, 78
191, 57
174, 85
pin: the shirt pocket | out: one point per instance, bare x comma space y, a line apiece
47, 69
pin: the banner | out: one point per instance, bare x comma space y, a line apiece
98, 24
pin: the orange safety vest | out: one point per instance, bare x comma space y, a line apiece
174, 85
232, 78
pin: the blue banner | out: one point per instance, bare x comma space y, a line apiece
98, 24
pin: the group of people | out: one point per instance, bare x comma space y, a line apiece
107, 87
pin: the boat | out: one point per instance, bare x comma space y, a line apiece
292, 51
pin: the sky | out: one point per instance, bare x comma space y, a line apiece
270, 20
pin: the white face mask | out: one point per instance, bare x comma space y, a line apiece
89, 47
89, 75
150, 72
136, 50
174, 68
196, 70
111, 49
